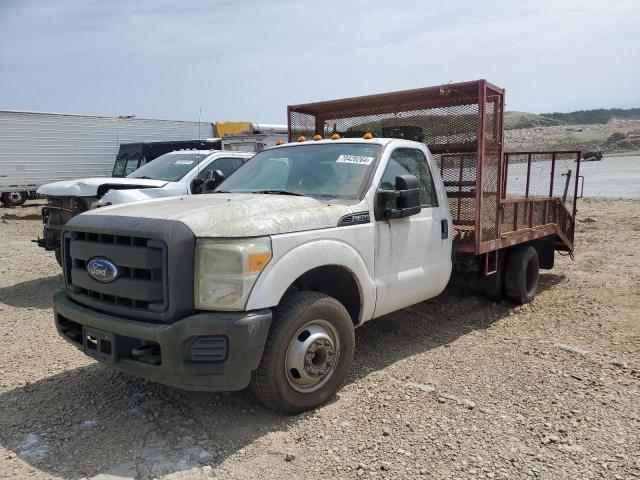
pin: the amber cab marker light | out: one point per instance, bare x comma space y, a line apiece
317, 137
368, 136
335, 136
301, 138
279, 142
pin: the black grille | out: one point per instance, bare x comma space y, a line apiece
141, 282
154, 258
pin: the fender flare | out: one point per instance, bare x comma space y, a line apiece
279, 275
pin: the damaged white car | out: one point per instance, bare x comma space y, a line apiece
181, 172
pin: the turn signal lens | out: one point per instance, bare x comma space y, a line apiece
301, 138
368, 136
335, 136
279, 142
257, 261
318, 137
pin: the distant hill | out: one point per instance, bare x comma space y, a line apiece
517, 120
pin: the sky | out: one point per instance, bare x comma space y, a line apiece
248, 60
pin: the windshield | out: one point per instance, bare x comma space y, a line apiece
170, 167
127, 160
323, 170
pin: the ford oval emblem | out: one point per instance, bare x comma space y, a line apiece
102, 270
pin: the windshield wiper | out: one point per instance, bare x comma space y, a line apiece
279, 192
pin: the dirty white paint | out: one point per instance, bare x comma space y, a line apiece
238, 214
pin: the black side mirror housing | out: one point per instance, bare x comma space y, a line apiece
217, 177
402, 202
196, 186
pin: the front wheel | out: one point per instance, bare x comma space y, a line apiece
308, 353
14, 199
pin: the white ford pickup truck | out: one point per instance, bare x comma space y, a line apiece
176, 173
263, 281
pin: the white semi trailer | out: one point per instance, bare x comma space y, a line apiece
39, 148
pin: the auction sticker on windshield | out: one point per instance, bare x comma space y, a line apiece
357, 159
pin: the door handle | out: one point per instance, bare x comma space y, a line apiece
444, 229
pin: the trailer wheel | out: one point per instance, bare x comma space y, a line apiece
308, 353
521, 276
14, 199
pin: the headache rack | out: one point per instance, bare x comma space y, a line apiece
497, 199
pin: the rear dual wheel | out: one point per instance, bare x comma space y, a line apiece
522, 275
308, 353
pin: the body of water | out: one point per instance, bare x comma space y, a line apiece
612, 177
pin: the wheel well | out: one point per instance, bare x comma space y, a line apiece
335, 281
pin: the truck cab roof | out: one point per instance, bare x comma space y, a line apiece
375, 140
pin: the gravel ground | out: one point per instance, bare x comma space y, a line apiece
456, 387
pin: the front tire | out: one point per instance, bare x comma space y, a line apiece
308, 353
14, 199
522, 275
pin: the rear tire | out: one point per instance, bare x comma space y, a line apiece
522, 275
308, 353
14, 199
58, 254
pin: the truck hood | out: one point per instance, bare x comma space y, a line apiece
236, 214
88, 187
117, 196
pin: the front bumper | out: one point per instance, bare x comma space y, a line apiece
207, 351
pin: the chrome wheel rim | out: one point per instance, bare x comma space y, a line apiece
312, 356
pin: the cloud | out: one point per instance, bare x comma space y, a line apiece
248, 60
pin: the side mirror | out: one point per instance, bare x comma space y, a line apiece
196, 185
210, 184
214, 179
402, 202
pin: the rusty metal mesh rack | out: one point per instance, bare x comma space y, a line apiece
462, 124
540, 188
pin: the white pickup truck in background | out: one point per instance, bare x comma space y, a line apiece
176, 173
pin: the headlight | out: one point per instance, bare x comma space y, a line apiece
226, 270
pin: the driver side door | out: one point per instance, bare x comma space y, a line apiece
409, 250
